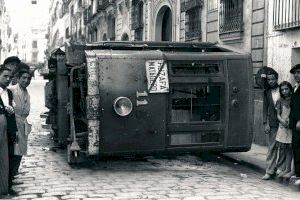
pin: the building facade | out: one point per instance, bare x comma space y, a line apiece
7, 39
257, 27
58, 31
283, 36
28, 40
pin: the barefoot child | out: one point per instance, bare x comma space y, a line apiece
284, 133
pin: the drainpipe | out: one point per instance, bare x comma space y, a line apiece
266, 31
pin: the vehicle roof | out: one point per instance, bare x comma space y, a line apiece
163, 46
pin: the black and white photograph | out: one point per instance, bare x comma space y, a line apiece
150, 99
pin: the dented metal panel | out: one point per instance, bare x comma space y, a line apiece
93, 100
123, 74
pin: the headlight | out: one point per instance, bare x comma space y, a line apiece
122, 106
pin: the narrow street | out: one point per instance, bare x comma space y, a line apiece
45, 174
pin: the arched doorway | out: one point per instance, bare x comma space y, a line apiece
125, 37
163, 25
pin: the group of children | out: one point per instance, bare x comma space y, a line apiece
277, 101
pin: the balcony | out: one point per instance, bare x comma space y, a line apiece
137, 25
232, 24
188, 4
286, 14
193, 35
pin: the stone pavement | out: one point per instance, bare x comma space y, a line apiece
256, 157
45, 174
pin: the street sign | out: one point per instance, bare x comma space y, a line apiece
157, 76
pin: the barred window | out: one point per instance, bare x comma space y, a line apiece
137, 14
192, 9
286, 14
193, 24
137, 20
231, 16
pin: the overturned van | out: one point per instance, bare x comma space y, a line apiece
143, 97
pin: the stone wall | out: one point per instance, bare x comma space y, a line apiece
258, 53
252, 41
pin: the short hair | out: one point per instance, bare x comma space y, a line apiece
3, 68
22, 66
11, 59
294, 68
21, 72
288, 84
272, 72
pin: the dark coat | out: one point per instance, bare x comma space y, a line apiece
269, 111
11, 120
294, 118
295, 109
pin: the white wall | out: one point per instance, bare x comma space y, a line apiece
280, 44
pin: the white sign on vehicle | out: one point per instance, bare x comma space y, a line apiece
161, 84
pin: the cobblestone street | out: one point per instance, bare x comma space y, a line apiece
45, 174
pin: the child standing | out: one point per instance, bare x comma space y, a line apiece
284, 133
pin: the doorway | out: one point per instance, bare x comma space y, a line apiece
163, 25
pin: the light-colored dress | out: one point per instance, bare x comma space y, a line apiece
22, 109
284, 135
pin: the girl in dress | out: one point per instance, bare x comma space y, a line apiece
284, 133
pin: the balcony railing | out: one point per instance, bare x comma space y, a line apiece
193, 35
137, 14
137, 25
286, 14
193, 24
231, 16
188, 4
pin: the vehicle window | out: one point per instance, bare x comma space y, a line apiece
200, 103
194, 68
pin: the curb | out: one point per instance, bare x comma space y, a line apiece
248, 163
